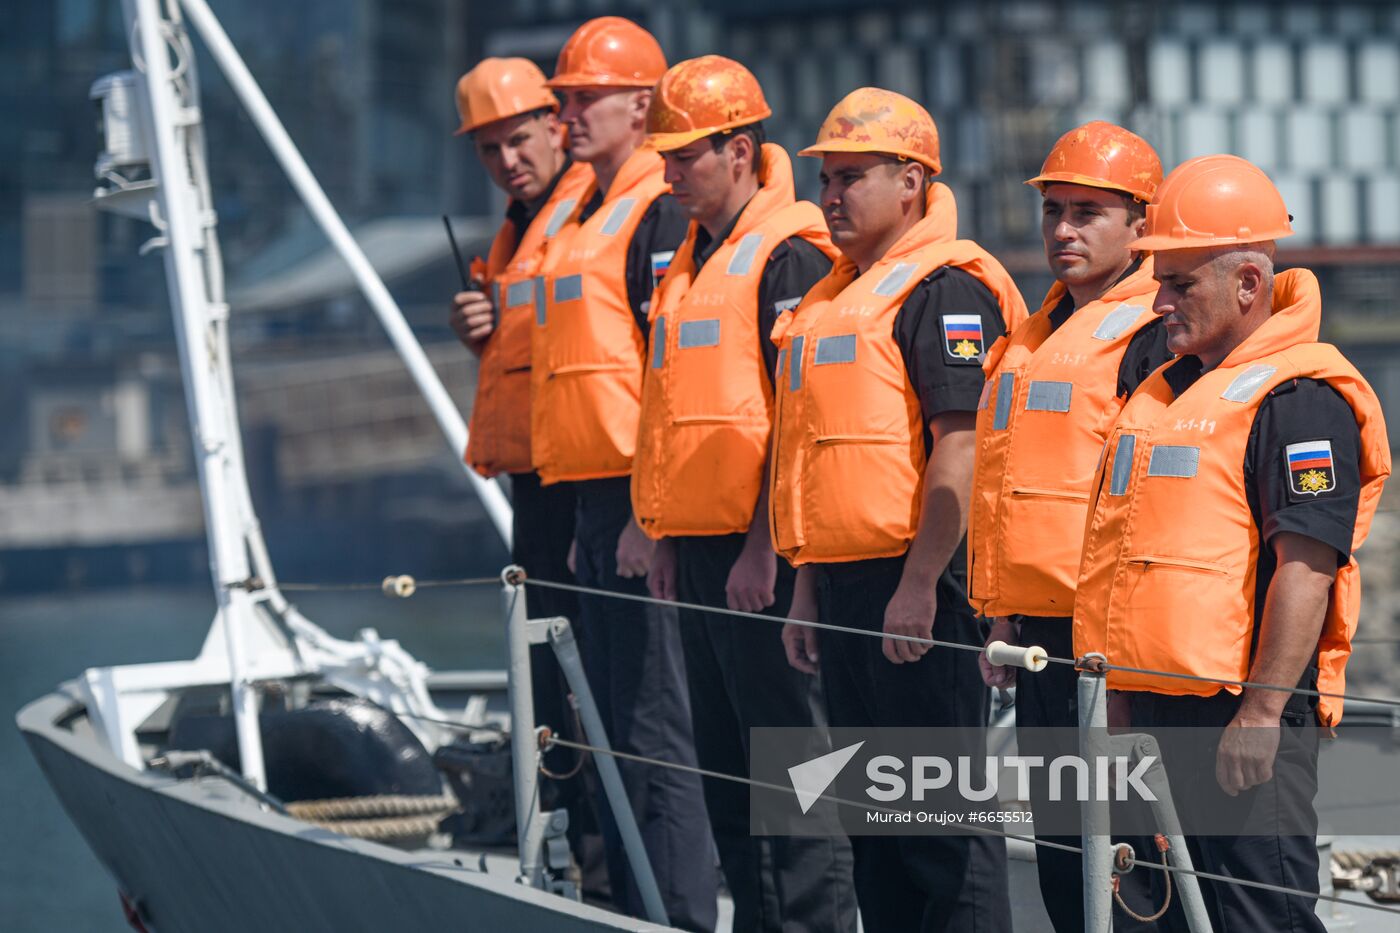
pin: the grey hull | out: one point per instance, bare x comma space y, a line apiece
200, 856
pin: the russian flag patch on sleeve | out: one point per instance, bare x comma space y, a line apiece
962, 337
1310, 471
660, 262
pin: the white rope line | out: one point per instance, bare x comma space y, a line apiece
936, 643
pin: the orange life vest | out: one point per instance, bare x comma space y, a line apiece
588, 349
706, 400
499, 441
1039, 432
848, 457
1170, 551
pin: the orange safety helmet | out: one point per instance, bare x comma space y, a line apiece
702, 96
609, 52
498, 88
871, 119
1102, 155
1214, 200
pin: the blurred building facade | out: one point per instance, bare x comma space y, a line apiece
1308, 90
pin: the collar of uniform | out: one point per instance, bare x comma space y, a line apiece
705, 245
523, 213
1182, 374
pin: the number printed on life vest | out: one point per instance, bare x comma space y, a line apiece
1068, 359
856, 311
1204, 426
705, 299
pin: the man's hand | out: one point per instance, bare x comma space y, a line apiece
800, 641
753, 578
661, 579
910, 612
999, 675
1245, 756
473, 318
634, 551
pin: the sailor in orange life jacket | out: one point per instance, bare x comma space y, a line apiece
589, 347
1049, 384
879, 376
511, 118
752, 251
1234, 487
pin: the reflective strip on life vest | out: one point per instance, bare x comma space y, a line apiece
540, 300
620, 212
1122, 465
1117, 321
561, 214
1242, 387
519, 293
1048, 396
569, 288
838, 349
742, 260
1177, 461
894, 280
658, 343
1006, 388
699, 334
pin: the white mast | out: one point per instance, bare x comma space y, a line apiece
152, 117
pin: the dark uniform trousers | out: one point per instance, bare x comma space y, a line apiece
740, 679
633, 657
1050, 700
1288, 861
956, 884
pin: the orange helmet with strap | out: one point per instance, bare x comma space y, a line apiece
871, 119
1214, 200
499, 88
1102, 155
609, 52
